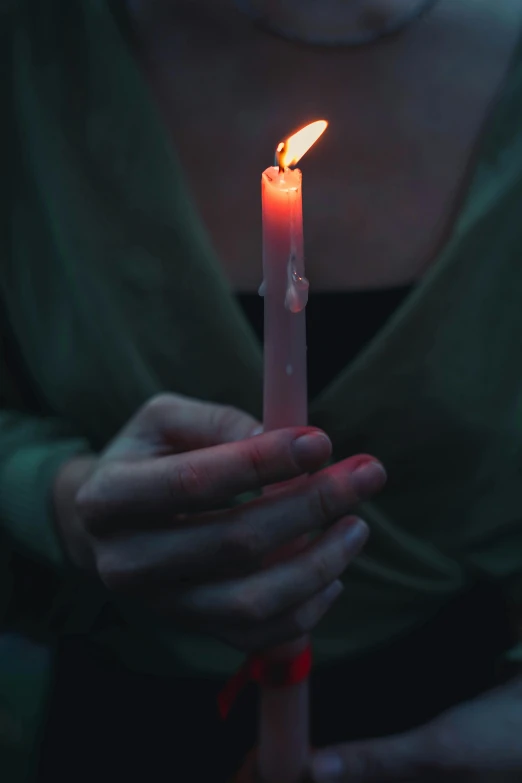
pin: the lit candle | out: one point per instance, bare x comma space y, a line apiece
284, 286
284, 724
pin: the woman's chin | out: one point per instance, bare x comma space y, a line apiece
327, 22
319, 34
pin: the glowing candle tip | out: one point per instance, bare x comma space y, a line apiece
290, 151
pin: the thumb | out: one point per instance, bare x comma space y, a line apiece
185, 424
401, 757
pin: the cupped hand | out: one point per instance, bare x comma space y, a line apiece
156, 512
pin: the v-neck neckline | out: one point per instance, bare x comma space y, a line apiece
246, 346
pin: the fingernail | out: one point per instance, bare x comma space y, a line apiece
368, 479
256, 431
310, 449
327, 768
357, 532
333, 591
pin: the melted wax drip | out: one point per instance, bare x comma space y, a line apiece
296, 289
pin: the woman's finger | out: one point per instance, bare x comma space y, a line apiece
235, 542
287, 627
256, 529
186, 424
198, 480
259, 598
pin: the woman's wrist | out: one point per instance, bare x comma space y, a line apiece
71, 476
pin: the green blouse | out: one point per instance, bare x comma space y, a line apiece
110, 292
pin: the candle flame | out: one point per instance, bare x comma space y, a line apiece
291, 151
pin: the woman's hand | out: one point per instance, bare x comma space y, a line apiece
477, 742
153, 518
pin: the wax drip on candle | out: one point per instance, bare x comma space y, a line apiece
296, 288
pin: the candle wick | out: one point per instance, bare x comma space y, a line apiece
280, 155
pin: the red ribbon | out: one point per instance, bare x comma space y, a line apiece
269, 674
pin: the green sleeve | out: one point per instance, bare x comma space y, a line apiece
32, 450
41, 596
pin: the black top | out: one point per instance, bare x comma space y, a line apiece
339, 325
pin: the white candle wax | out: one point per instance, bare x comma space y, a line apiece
285, 290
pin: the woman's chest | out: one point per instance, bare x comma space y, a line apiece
382, 188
